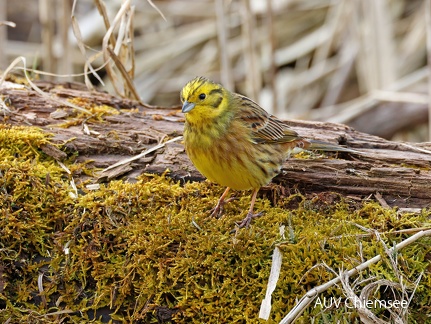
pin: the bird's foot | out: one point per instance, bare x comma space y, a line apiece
217, 211
247, 220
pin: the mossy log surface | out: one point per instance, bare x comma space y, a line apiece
400, 172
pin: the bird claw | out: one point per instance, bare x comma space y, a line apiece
217, 211
247, 220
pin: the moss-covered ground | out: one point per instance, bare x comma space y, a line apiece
147, 252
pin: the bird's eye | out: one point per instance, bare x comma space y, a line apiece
202, 96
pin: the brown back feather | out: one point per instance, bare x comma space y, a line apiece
265, 127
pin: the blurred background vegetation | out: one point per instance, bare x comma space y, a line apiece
361, 63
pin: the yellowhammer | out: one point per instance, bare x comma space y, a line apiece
234, 142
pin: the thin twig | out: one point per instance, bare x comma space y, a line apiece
136, 157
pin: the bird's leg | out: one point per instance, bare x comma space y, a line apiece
247, 220
217, 211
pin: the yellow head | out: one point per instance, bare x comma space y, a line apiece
203, 100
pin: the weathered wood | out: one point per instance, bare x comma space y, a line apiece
399, 172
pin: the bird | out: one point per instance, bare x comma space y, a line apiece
235, 143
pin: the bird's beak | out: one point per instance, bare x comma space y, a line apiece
187, 106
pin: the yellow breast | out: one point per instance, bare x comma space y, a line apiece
232, 160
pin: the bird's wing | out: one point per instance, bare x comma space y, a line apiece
265, 127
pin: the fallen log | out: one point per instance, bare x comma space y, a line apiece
400, 172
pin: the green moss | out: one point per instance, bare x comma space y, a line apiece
147, 251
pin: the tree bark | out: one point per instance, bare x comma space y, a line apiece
400, 172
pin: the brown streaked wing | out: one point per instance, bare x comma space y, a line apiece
265, 127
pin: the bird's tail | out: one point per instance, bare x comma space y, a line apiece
316, 145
